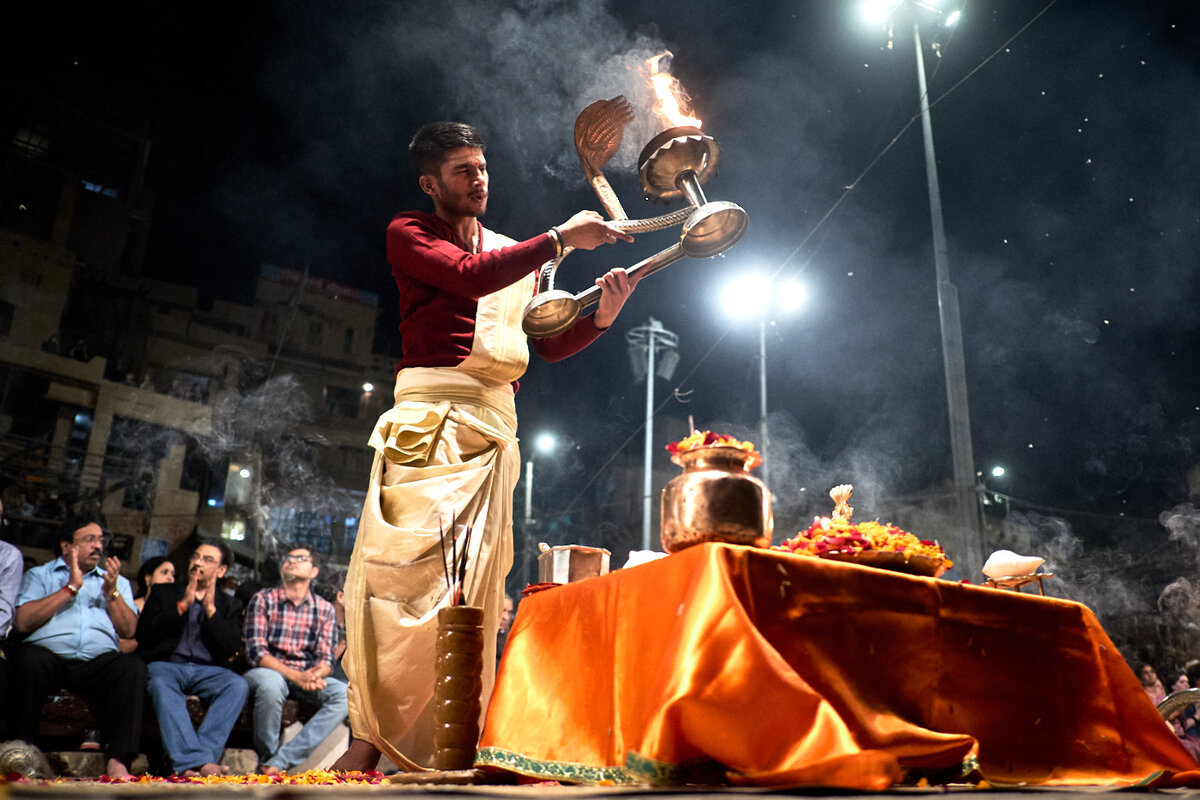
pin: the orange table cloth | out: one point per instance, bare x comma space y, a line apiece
733, 663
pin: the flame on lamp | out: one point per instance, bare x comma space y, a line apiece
671, 101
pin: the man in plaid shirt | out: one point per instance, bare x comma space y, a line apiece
291, 633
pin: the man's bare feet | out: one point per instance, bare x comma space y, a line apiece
190, 773
359, 757
115, 768
271, 772
211, 769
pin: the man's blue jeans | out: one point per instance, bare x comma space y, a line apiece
225, 692
270, 690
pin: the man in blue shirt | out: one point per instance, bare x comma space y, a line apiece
72, 613
187, 634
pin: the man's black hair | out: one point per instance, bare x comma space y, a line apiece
429, 146
226, 553
66, 531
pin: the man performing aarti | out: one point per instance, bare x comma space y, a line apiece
448, 449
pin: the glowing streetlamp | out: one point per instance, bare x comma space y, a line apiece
757, 295
966, 504
544, 444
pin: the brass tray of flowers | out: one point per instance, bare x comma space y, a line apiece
869, 544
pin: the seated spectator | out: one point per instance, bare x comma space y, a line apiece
73, 613
506, 618
22, 507
12, 564
1185, 721
152, 572
1150, 682
291, 636
188, 633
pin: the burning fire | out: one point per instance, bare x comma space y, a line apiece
672, 102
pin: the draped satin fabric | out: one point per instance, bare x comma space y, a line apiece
768, 668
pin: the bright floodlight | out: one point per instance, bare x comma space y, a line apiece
245, 473
997, 472
878, 10
746, 296
368, 387
791, 295
952, 17
545, 443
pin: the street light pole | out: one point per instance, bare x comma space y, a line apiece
648, 451
529, 491
966, 504
649, 338
762, 396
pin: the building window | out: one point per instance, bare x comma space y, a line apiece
6, 317
315, 333
348, 341
341, 402
33, 142
98, 189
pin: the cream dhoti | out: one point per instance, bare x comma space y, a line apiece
447, 449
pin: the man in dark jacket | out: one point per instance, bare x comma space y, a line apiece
188, 633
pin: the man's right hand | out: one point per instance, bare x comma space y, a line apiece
72, 559
587, 230
308, 680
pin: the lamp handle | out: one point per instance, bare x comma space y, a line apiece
647, 266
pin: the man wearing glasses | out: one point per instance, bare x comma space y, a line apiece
188, 634
291, 634
72, 613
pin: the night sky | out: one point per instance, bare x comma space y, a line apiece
1068, 163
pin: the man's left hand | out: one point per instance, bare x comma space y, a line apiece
615, 287
112, 571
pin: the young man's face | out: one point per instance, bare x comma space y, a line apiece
461, 186
298, 566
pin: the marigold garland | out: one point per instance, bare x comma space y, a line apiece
699, 439
828, 536
313, 777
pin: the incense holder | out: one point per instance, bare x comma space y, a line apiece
456, 694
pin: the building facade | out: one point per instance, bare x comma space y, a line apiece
131, 396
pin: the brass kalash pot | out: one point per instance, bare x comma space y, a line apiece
716, 499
